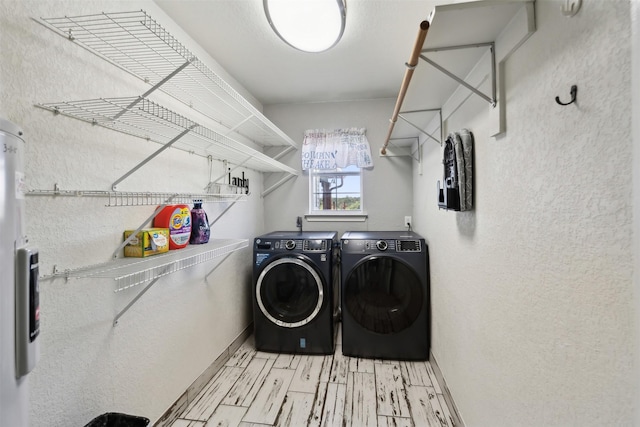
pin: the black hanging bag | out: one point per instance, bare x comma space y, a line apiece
449, 196
457, 191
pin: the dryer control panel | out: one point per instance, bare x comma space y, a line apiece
408, 245
316, 245
382, 245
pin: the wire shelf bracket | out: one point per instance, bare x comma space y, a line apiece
491, 45
397, 150
114, 186
403, 116
277, 184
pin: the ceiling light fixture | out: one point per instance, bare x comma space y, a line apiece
307, 25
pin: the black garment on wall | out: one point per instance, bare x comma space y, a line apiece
457, 193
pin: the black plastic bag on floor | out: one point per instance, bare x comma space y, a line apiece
113, 419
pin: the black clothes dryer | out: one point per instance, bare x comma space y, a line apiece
295, 292
385, 295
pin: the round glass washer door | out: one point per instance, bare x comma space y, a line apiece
383, 294
289, 292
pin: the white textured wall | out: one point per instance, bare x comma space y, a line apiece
533, 317
387, 186
179, 327
635, 112
532, 291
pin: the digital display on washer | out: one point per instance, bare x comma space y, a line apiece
314, 245
408, 245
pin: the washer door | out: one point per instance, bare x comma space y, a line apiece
289, 292
383, 294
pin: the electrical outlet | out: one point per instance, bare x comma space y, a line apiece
407, 220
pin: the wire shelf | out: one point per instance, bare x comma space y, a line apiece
130, 272
139, 45
126, 198
143, 118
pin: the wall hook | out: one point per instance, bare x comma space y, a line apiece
571, 7
574, 93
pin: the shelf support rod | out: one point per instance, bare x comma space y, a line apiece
224, 211
152, 156
456, 47
283, 152
411, 65
153, 88
422, 130
277, 184
243, 121
134, 300
206, 277
443, 70
494, 85
401, 151
418, 128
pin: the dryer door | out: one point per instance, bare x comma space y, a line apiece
383, 294
289, 291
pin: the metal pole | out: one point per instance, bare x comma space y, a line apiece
411, 65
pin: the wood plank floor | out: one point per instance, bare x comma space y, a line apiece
257, 389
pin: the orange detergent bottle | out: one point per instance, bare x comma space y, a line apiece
177, 218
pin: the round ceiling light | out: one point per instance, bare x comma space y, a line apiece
307, 25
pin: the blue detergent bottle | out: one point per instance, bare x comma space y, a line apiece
200, 231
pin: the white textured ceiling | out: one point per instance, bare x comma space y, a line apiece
368, 62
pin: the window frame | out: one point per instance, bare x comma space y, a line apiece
318, 214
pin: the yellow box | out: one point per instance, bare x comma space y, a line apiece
149, 241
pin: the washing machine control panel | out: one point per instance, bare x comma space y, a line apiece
311, 245
288, 244
315, 245
382, 245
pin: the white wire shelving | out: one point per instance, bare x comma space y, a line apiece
142, 198
146, 119
141, 46
136, 43
131, 272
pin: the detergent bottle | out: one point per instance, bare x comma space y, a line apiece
177, 218
199, 224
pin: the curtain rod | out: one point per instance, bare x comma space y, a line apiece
411, 65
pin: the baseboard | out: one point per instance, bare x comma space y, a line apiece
457, 419
196, 387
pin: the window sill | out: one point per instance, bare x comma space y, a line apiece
337, 217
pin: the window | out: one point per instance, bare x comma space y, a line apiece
335, 191
334, 160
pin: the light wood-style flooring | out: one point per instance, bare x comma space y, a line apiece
257, 389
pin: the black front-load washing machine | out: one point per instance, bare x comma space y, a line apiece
385, 295
295, 291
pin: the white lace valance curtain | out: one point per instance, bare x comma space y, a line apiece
334, 149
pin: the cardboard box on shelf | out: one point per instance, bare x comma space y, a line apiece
147, 242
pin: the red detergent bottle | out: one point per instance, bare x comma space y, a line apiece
177, 218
